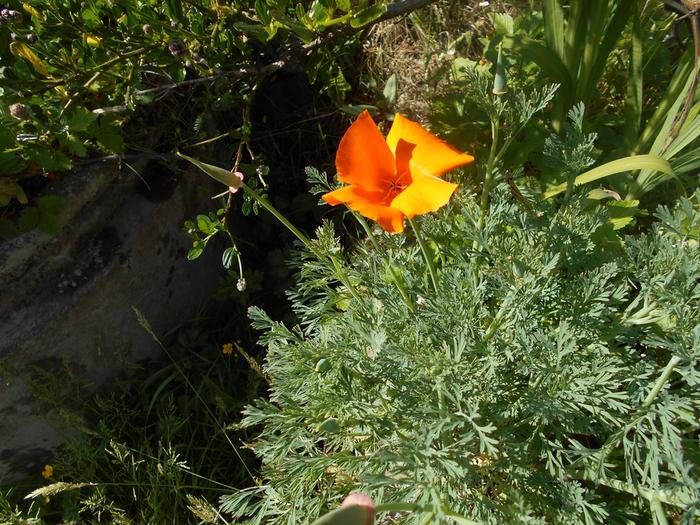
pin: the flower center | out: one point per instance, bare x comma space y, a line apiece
396, 187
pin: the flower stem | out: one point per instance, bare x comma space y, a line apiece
426, 254
661, 382
488, 177
398, 280
339, 272
270, 208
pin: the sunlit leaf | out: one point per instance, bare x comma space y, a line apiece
368, 15
23, 51
634, 163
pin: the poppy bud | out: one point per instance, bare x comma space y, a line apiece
357, 509
364, 501
329, 426
500, 80
323, 365
237, 182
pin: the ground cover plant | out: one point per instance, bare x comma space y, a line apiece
515, 341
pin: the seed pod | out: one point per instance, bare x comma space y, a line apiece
19, 111
323, 365
177, 48
329, 426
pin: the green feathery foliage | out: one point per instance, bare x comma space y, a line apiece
552, 378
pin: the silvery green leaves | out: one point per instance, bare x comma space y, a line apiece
559, 350
572, 154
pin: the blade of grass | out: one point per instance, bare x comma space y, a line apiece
678, 85
637, 162
554, 26
672, 112
611, 35
594, 34
147, 327
633, 97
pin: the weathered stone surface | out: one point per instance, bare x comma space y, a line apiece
67, 300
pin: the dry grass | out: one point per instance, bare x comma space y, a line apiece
421, 47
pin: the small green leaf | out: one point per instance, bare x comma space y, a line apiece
49, 223
369, 15
49, 159
204, 224
228, 257
28, 219
263, 12
73, 144
112, 142
319, 14
329, 426
173, 8
391, 89
81, 119
502, 23
194, 253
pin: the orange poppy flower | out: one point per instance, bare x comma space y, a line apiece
395, 178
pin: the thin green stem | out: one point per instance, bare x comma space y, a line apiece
426, 254
277, 215
428, 518
339, 272
399, 506
398, 280
488, 177
660, 382
658, 511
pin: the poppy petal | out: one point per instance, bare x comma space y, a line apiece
404, 151
432, 155
368, 204
424, 195
363, 157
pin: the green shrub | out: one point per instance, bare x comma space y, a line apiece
552, 377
